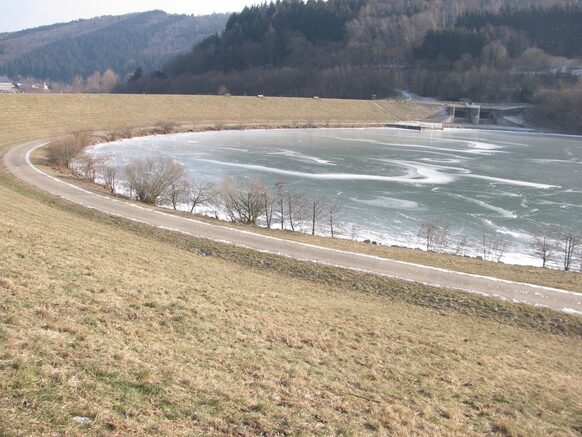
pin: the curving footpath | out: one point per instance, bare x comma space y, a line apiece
17, 161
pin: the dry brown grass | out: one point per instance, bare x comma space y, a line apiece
146, 332
408, 111
144, 337
56, 114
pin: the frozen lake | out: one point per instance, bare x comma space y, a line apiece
388, 181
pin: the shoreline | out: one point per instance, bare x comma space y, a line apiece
185, 129
531, 288
518, 258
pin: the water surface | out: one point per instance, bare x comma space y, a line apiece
389, 181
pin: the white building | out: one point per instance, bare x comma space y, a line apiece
7, 87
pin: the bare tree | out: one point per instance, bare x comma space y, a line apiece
149, 178
63, 153
442, 238
94, 82
499, 249
85, 166
270, 201
199, 194
78, 84
176, 193
571, 241
109, 79
427, 233
333, 212
544, 248
462, 246
493, 246
435, 236
110, 174
244, 200
296, 208
317, 207
281, 190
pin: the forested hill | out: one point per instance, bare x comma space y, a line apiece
477, 49
557, 31
120, 43
286, 33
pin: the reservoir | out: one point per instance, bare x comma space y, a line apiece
483, 185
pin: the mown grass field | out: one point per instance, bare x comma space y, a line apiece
148, 332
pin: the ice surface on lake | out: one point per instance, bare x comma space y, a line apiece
389, 181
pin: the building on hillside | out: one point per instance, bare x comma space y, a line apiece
31, 86
8, 88
39, 87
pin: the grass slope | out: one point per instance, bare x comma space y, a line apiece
145, 331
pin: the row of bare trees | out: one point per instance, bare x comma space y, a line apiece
553, 245
163, 181
436, 237
548, 245
250, 200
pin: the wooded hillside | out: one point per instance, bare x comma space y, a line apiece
481, 50
120, 43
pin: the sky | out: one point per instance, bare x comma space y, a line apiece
24, 14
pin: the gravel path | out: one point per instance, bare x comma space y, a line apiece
18, 163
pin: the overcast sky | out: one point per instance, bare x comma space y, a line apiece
24, 14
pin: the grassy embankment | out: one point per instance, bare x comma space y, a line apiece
146, 331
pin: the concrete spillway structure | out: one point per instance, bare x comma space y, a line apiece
465, 113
